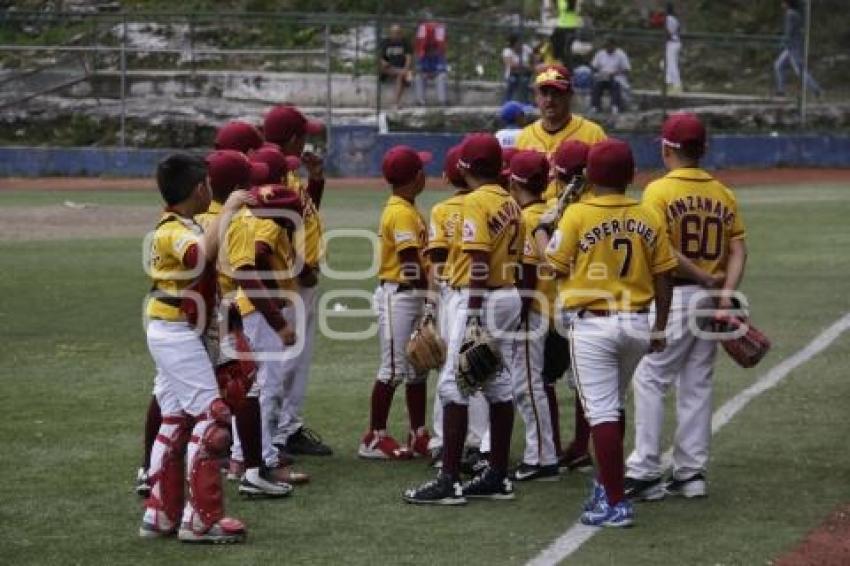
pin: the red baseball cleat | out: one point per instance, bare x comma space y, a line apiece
417, 444
377, 446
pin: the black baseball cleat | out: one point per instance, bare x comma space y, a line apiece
489, 484
473, 462
644, 490
694, 486
306, 441
534, 472
575, 463
443, 490
284, 458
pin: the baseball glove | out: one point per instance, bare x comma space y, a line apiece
751, 344
556, 357
479, 359
426, 350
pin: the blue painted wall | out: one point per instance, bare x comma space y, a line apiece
357, 151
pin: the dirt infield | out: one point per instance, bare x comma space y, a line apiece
827, 545
734, 177
59, 222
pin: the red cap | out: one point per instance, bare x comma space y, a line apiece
531, 170
610, 164
282, 123
556, 76
570, 158
450, 167
402, 163
239, 136
278, 196
481, 154
507, 154
292, 163
684, 129
275, 161
229, 170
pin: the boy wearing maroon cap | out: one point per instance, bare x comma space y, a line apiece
399, 301
706, 228
484, 295
529, 175
239, 136
612, 257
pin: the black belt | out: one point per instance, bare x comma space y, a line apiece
606, 312
175, 302
683, 281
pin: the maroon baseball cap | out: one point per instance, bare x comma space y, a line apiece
683, 129
282, 123
278, 196
556, 76
450, 167
229, 170
239, 136
481, 154
610, 163
530, 169
402, 163
570, 158
275, 161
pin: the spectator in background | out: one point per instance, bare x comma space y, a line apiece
431, 60
514, 117
673, 47
611, 67
566, 27
792, 48
544, 53
396, 61
517, 58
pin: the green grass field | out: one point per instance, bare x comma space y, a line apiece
76, 378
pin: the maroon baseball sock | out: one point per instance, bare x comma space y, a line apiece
501, 426
416, 395
608, 448
249, 427
554, 415
581, 434
455, 420
152, 422
382, 399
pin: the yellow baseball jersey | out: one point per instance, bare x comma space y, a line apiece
308, 240
701, 213
535, 137
546, 281
446, 217
172, 238
611, 247
492, 222
282, 259
402, 227
237, 251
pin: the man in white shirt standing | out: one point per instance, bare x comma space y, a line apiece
611, 66
674, 46
517, 57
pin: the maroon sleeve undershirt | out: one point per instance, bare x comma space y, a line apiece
410, 262
478, 278
527, 282
316, 188
265, 305
190, 256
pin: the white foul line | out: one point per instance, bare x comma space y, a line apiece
578, 534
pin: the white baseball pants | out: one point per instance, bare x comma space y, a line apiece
398, 313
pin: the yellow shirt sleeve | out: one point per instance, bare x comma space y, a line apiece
529, 248
267, 231
240, 241
563, 245
474, 234
404, 230
653, 198
437, 235
662, 254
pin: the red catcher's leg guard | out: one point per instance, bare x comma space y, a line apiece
211, 437
168, 465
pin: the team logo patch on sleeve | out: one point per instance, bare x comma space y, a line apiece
555, 242
528, 248
402, 236
468, 230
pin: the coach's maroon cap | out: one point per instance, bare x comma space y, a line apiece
450, 167
282, 123
239, 136
610, 163
275, 161
683, 129
556, 76
531, 170
229, 169
481, 155
403, 163
570, 158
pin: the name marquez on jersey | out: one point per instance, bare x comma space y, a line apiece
508, 213
613, 227
694, 203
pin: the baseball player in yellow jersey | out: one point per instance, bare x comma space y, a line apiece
444, 226
482, 276
194, 418
258, 314
399, 301
288, 128
529, 177
706, 228
553, 94
613, 257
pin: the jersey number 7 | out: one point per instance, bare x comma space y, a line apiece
626, 244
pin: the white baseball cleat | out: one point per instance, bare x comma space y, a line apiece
225, 531
255, 484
